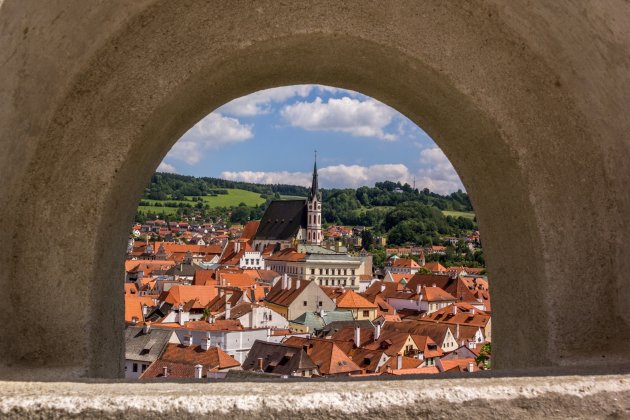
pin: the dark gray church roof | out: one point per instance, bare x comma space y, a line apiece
282, 220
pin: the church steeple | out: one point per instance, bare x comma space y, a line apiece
315, 186
314, 211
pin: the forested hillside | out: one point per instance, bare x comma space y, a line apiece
405, 215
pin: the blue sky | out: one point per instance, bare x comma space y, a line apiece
270, 137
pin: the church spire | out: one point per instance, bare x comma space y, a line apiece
315, 186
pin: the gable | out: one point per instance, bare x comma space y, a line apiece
282, 220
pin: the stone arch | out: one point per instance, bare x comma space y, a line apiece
543, 174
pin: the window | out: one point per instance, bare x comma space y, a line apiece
320, 303
144, 367
135, 367
305, 303
366, 314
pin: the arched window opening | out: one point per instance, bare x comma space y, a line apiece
307, 179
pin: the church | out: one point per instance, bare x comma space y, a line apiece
288, 223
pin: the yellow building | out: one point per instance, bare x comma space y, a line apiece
361, 307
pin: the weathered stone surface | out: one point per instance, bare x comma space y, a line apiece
543, 397
528, 100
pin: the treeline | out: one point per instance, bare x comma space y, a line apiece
404, 214
165, 186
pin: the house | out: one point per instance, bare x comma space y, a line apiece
326, 267
228, 335
309, 322
457, 365
370, 360
326, 354
463, 289
182, 294
280, 359
441, 334
402, 266
435, 267
189, 361
464, 314
252, 260
291, 298
143, 346
253, 315
360, 307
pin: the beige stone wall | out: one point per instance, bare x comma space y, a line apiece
528, 100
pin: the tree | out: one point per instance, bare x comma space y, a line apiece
367, 239
240, 214
484, 356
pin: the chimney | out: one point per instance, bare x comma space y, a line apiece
357, 336
336, 246
285, 281
377, 331
228, 310
188, 340
237, 247
399, 362
260, 364
456, 331
180, 315
382, 287
419, 289
472, 311
165, 372
297, 283
147, 328
205, 343
454, 309
198, 371
471, 366
145, 310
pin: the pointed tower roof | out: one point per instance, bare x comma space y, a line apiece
315, 186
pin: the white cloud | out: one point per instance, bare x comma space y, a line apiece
338, 176
440, 179
281, 177
437, 173
361, 118
212, 132
166, 167
259, 103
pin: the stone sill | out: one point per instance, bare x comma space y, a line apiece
490, 397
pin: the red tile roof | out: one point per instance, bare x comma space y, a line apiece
180, 295
352, 300
327, 355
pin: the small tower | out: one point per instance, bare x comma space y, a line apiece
314, 211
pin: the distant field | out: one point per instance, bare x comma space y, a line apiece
234, 197
291, 197
466, 214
